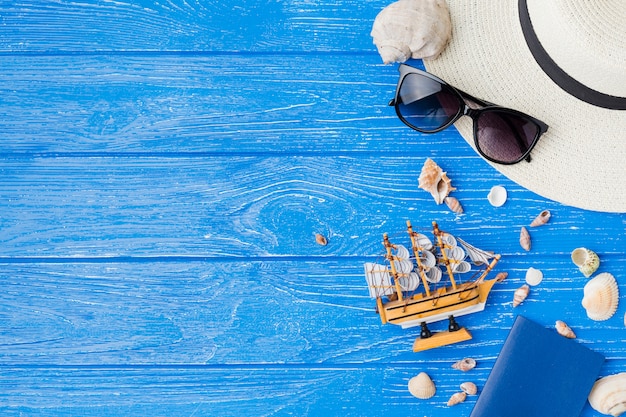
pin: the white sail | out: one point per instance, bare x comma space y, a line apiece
423, 242
433, 275
403, 266
409, 282
378, 280
402, 252
478, 256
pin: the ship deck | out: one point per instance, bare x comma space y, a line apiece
165, 167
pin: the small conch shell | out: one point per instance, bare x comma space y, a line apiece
434, 180
608, 395
457, 398
541, 219
501, 276
520, 294
421, 386
524, 238
412, 29
453, 204
465, 364
321, 239
586, 260
497, 196
564, 330
601, 297
469, 388
533, 276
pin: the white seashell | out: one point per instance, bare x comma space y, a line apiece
497, 196
520, 294
586, 260
469, 388
564, 330
457, 398
421, 386
541, 219
524, 239
608, 395
465, 364
601, 297
434, 180
533, 276
412, 29
453, 204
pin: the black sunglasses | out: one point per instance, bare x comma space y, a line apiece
428, 104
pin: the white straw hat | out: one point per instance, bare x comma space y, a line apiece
563, 62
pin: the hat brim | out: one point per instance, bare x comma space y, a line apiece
581, 160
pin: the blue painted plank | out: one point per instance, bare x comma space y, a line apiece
178, 25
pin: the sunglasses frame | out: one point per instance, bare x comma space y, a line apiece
465, 109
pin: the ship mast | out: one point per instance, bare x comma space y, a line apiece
391, 259
422, 274
438, 234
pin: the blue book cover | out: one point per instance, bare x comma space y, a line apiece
538, 373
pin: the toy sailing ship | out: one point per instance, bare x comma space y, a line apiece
395, 285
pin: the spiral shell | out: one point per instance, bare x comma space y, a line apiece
586, 260
520, 294
465, 364
412, 29
457, 398
469, 388
454, 205
608, 395
564, 330
321, 239
421, 386
541, 219
524, 239
601, 297
434, 180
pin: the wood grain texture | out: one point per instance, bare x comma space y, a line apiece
164, 168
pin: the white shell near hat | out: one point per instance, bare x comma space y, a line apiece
581, 160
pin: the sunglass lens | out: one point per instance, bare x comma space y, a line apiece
426, 104
505, 137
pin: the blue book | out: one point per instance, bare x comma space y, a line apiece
538, 373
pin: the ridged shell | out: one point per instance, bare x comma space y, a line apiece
421, 386
412, 29
469, 388
501, 276
524, 239
434, 180
321, 239
564, 330
586, 260
465, 364
541, 219
457, 398
608, 395
533, 276
453, 204
497, 196
520, 294
601, 297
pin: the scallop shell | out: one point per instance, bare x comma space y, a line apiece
533, 276
457, 398
412, 29
608, 395
421, 386
465, 364
601, 297
541, 219
453, 204
586, 260
524, 239
469, 388
497, 196
564, 330
321, 239
520, 294
434, 180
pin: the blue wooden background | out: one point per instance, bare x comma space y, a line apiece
165, 166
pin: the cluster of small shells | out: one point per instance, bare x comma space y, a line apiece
608, 395
422, 386
412, 29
